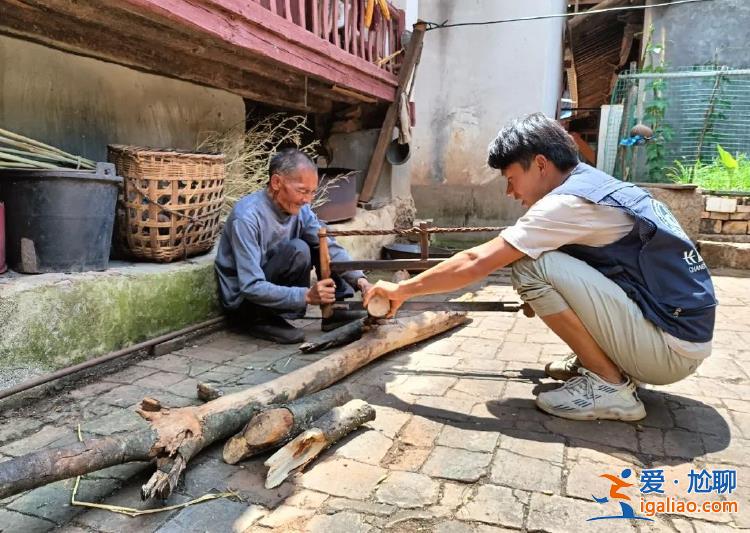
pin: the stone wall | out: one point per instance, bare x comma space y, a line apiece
726, 218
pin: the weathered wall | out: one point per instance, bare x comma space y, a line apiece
81, 104
470, 82
704, 32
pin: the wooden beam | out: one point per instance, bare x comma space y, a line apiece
584, 149
252, 29
152, 33
386, 131
573, 22
97, 41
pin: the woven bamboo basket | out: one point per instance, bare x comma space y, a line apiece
170, 202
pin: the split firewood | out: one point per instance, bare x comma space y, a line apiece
207, 392
325, 431
378, 306
176, 435
336, 337
276, 426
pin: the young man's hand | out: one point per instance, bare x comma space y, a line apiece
323, 292
387, 290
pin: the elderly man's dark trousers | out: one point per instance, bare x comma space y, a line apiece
289, 265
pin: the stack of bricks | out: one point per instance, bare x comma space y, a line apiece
725, 215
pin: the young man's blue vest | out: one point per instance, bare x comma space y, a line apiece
656, 264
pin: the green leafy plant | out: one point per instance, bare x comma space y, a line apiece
655, 110
726, 158
725, 173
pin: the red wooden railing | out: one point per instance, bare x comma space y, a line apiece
341, 22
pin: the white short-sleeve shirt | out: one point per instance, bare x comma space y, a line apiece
560, 219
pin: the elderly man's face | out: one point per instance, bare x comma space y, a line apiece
293, 190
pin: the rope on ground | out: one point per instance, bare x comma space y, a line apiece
412, 231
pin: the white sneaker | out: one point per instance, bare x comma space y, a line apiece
589, 397
563, 369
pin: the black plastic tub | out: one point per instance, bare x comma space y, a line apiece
59, 220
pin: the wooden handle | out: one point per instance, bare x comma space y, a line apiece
325, 268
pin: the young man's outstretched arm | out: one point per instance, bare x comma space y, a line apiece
461, 270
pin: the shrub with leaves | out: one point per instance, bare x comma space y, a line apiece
725, 173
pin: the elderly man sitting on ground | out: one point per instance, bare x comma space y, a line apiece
267, 250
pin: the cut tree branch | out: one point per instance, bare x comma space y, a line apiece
325, 431
276, 426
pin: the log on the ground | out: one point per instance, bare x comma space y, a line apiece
275, 426
337, 337
325, 431
176, 435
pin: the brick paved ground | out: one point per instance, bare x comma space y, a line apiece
457, 445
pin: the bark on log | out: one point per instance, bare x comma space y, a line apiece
328, 429
176, 435
344, 335
276, 426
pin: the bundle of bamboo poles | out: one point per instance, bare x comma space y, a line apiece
17, 151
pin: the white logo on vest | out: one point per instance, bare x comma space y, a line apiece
667, 218
693, 260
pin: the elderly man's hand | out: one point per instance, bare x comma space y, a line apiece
385, 290
323, 292
364, 286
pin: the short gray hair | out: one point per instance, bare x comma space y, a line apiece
286, 161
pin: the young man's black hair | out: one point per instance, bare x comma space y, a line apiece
533, 135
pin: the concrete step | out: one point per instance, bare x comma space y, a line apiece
725, 254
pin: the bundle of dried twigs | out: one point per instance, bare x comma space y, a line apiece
17, 151
247, 160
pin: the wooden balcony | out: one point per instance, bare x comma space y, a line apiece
299, 54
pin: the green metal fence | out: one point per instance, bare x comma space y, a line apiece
701, 123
